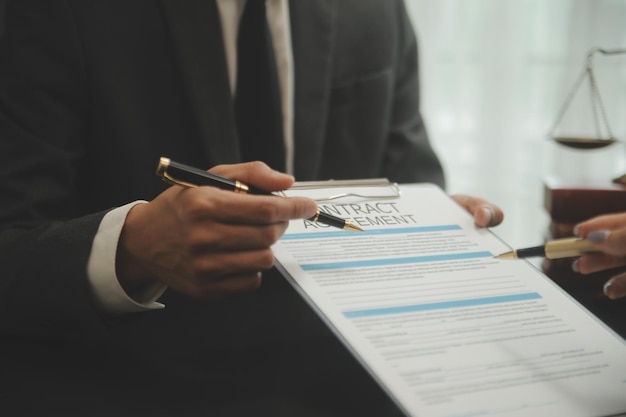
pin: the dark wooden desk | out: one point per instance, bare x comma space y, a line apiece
567, 204
587, 290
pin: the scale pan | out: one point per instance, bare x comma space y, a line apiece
584, 143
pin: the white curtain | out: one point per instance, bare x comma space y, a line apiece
494, 75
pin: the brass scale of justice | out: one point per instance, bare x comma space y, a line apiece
598, 110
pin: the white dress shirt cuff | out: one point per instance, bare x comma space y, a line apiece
108, 292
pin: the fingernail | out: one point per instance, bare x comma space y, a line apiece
489, 214
575, 231
281, 174
598, 236
575, 265
606, 287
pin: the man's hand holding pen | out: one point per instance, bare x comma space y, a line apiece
213, 241
206, 242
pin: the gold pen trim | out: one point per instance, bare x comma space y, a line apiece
241, 188
161, 170
168, 178
162, 167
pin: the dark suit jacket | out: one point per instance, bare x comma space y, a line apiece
92, 92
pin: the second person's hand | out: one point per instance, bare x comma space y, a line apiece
485, 213
608, 232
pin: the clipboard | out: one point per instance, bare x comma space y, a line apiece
442, 326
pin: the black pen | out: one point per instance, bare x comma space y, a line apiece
187, 176
554, 249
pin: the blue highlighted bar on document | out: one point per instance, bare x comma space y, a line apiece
441, 305
395, 261
390, 231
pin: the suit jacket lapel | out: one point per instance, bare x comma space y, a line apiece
312, 29
197, 38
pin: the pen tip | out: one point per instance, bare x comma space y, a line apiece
507, 255
352, 227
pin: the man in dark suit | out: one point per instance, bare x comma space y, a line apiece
92, 93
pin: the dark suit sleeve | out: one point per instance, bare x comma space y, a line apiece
45, 239
409, 154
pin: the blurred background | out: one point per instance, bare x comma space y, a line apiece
495, 75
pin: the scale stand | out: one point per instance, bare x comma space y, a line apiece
596, 104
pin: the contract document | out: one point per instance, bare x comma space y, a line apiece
446, 329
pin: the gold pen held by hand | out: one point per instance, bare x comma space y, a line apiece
554, 249
187, 176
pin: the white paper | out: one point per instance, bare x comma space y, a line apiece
444, 327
